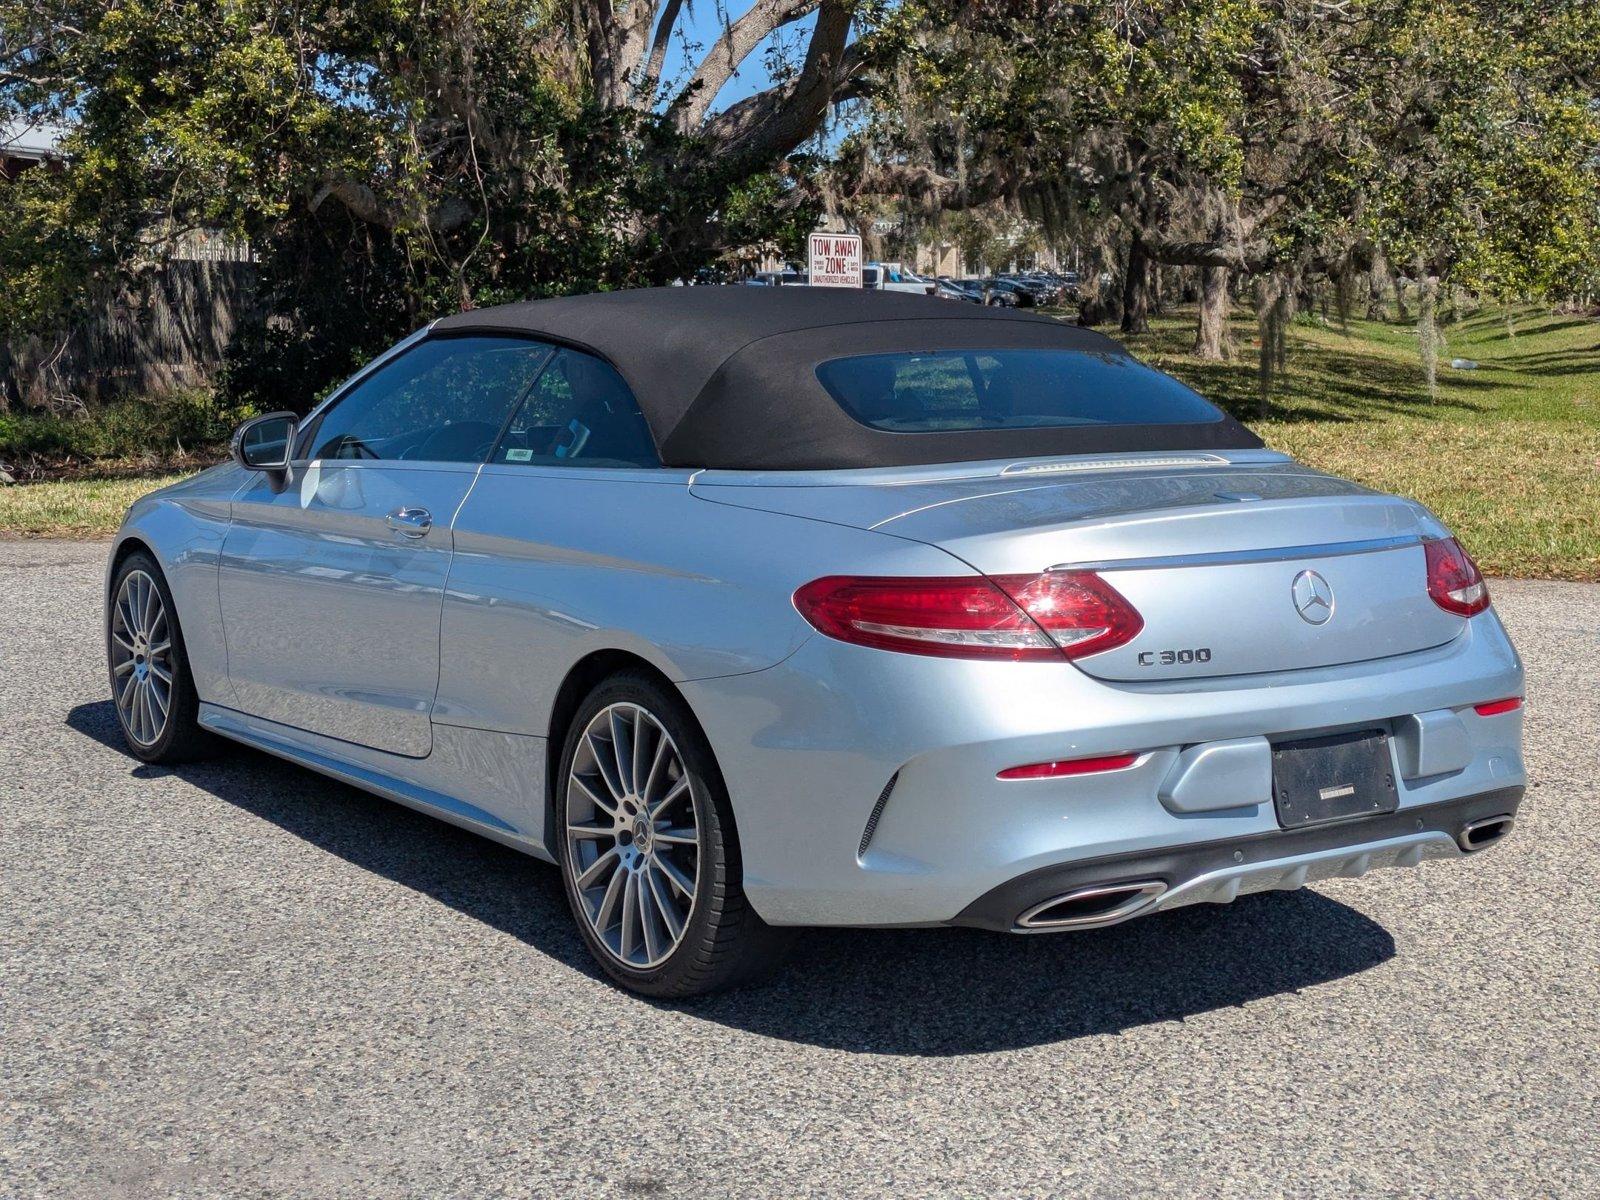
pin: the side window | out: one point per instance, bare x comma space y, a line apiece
579, 414
444, 400
919, 392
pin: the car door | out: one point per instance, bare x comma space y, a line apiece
548, 547
331, 579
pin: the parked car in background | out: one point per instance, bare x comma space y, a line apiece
785, 278
1020, 296
954, 289
1042, 291
1064, 289
892, 277
984, 294
1071, 281
754, 609
994, 297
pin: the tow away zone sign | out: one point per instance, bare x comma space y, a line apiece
835, 260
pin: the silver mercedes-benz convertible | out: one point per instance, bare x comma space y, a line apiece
755, 609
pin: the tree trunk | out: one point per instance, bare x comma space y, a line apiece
1136, 289
1428, 340
1377, 285
1211, 342
1273, 313
761, 129
1400, 307
1344, 286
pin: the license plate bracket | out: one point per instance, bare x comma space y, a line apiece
1336, 777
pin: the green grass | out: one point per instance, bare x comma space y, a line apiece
76, 508
1508, 455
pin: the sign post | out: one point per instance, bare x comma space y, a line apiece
835, 260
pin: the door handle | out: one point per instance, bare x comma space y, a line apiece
410, 522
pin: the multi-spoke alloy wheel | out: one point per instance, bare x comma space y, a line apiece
633, 839
141, 658
156, 702
648, 850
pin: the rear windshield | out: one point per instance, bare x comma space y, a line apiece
947, 390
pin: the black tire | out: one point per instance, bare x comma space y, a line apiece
724, 943
181, 738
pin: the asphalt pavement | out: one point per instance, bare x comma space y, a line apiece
240, 979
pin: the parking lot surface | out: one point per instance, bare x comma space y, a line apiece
241, 979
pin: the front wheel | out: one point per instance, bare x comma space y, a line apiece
648, 851
157, 706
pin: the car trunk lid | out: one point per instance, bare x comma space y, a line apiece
1249, 569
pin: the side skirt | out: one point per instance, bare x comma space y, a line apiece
508, 766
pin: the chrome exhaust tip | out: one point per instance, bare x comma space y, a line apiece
1480, 835
1089, 907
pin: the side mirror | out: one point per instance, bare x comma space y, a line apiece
265, 443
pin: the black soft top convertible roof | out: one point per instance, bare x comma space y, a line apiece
726, 376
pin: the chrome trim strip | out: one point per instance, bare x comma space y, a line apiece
1225, 884
1268, 554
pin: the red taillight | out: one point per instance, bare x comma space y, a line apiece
1082, 613
1023, 618
1454, 581
1070, 766
1493, 708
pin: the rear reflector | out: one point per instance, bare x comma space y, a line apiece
1070, 766
1454, 581
1493, 708
1021, 618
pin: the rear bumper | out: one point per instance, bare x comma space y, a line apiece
1107, 891
810, 748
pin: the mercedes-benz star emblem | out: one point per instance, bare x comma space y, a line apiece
1313, 598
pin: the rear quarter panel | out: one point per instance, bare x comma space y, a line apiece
554, 564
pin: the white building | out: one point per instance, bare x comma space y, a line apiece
25, 144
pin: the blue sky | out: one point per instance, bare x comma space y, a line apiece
701, 22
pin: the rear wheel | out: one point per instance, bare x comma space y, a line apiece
648, 851
157, 706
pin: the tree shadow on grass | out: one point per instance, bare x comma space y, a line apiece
1534, 327
1353, 391
896, 992
1560, 369
1327, 384
1574, 361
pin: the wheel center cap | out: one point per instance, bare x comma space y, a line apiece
641, 835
